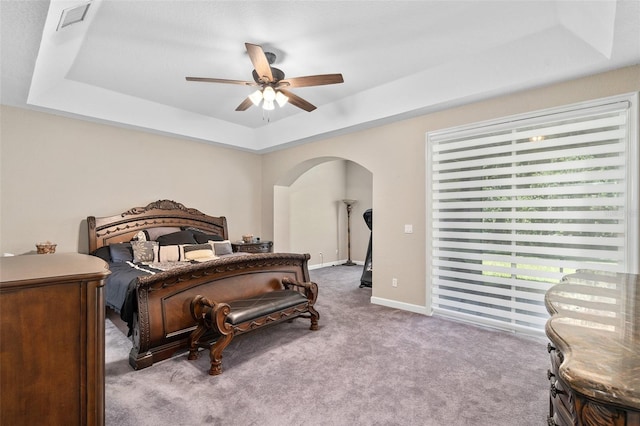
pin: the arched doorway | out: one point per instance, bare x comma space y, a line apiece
310, 217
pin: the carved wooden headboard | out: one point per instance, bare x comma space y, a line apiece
124, 226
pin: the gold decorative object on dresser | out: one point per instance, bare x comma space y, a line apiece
52, 339
594, 331
257, 247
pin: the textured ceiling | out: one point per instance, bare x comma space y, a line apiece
126, 63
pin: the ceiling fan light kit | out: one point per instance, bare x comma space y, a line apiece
256, 97
272, 82
268, 95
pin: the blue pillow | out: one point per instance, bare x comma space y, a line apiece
103, 253
203, 238
121, 252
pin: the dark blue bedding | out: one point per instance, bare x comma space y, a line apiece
118, 283
120, 290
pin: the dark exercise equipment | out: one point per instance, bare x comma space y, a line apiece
365, 280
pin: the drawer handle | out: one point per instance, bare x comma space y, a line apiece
552, 348
551, 422
550, 375
555, 391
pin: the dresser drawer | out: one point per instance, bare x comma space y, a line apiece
560, 417
562, 399
556, 358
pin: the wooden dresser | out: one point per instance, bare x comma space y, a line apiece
52, 339
594, 334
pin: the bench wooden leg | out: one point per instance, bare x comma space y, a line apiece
315, 316
216, 353
194, 340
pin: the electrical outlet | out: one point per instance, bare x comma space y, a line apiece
394, 282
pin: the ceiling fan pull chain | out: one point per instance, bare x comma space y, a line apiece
265, 116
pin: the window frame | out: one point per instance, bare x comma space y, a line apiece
632, 235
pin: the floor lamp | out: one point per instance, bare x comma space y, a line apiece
349, 204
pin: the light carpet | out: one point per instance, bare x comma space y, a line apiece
366, 365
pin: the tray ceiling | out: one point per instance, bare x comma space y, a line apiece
126, 62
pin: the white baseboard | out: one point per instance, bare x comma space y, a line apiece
379, 300
336, 263
401, 305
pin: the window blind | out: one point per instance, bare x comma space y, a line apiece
514, 206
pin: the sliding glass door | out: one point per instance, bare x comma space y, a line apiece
513, 205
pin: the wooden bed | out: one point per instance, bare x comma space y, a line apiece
162, 321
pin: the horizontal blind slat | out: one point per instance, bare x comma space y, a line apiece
478, 299
606, 256
557, 202
614, 120
544, 239
565, 190
529, 226
496, 313
518, 150
488, 280
509, 169
557, 214
573, 177
552, 265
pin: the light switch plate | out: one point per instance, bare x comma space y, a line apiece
408, 229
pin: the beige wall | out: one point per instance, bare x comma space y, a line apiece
395, 155
318, 217
56, 171
315, 211
359, 187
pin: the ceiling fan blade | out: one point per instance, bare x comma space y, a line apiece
221, 80
296, 100
312, 80
244, 105
260, 62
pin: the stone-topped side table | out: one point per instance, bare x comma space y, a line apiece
594, 334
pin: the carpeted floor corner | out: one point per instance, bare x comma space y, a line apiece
367, 365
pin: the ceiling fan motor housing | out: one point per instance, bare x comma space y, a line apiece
271, 57
277, 74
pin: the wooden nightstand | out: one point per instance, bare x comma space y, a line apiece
261, 247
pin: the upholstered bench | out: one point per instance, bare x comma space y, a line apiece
223, 321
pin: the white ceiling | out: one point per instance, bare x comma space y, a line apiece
126, 63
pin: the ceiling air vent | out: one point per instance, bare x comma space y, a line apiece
73, 15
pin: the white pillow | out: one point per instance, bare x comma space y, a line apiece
197, 251
169, 254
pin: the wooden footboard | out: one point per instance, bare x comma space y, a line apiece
163, 321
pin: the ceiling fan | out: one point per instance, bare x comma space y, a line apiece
272, 83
